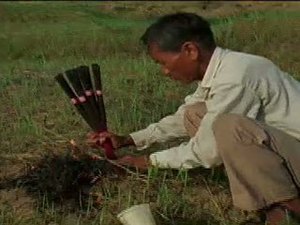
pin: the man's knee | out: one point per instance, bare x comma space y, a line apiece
195, 110
225, 130
232, 129
193, 116
226, 123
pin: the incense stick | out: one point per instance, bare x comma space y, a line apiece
86, 82
107, 145
73, 77
88, 99
73, 97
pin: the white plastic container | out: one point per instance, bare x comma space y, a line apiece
137, 215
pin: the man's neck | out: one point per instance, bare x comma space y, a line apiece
205, 59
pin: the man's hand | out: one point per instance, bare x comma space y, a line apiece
140, 162
97, 139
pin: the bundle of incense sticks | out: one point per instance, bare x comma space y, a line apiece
84, 88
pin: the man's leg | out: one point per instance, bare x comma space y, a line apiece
262, 163
193, 116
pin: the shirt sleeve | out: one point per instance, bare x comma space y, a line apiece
201, 149
169, 127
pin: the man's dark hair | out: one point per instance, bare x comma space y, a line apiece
171, 31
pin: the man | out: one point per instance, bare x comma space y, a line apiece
243, 114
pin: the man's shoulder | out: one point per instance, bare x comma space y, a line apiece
240, 67
244, 59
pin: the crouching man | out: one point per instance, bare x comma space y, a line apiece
244, 114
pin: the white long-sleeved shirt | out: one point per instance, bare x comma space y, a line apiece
234, 82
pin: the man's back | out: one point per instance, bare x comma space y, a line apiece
278, 92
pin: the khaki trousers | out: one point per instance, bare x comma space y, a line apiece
262, 163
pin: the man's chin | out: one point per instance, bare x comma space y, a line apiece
186, 82
183, 81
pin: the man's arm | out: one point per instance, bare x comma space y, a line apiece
201, 149
169, 127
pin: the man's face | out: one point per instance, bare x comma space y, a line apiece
182, 66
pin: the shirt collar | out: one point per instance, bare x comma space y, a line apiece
212, 68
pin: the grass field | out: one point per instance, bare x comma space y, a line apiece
37, 122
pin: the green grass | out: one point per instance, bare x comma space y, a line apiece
37, 40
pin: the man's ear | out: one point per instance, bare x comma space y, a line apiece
191, 49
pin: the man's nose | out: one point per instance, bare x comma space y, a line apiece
166, 71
